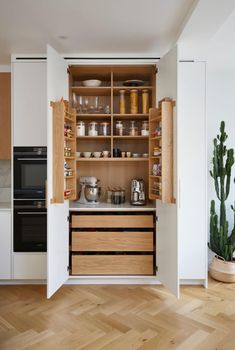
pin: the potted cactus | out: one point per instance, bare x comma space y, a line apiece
221, 242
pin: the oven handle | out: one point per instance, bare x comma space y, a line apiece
31, 158
31, 212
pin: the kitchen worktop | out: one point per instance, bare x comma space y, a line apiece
5, 206
103, 206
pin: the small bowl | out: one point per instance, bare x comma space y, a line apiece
97, 154
135, 155
145, 155
91, 83
87, 154
78, 154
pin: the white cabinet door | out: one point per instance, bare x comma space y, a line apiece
5, 245
29, 104
167, 233
192, 165
57, 214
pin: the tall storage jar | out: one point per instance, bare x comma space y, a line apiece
134, 101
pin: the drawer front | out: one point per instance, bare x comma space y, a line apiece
112, 265
112, 241
117, 221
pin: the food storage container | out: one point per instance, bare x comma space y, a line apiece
80, 128
104, 129
122, 102
145, 101
134, 101
145, 128
93, 129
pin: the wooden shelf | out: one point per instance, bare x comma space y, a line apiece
69, 157
130, 116
72, 139
69, 177
155, 176
139, 137
93, 115
93, 137
156, 138
155, 157
111, 159
92, 91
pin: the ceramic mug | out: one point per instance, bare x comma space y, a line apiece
128, 154
87, 154
97, 154
105, 154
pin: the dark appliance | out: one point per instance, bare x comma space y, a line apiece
30, 172
30, 226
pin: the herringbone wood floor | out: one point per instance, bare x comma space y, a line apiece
118, 317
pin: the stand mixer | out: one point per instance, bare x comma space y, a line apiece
90, 192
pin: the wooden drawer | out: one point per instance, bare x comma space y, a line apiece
112, 241
112, 264
112, 221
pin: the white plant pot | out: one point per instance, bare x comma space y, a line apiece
221, 270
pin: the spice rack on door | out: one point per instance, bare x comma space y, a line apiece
161, 151
64, 143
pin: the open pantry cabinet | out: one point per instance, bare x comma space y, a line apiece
108, 169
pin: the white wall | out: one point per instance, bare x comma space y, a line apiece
221, 97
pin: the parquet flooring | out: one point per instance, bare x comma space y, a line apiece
117, 318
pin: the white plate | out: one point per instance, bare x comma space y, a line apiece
91, 83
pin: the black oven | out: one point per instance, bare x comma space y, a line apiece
30, 172
30, 226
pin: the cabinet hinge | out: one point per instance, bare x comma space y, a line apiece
68, 268
68, 218
156, 268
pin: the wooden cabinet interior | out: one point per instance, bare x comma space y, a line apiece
64, 164
5, 115
112, 171
161, 151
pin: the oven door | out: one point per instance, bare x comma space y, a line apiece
29, 177
30, 229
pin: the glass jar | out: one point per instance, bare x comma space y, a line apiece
145, 128
133, 130
93, 129
134, 101
80, 128
119, 128
145, 101
122, 102
104, 127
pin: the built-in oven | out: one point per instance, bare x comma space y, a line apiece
30, 226
30, 172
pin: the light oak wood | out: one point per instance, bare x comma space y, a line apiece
5, 115
58, 152
167, 151
112, 221
112, 264
112, 241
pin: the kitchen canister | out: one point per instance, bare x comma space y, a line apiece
145, 101
80, 128
134, 101
122, 102
93, 129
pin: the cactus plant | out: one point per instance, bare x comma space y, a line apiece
221, 242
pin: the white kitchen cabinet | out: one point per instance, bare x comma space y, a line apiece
5, 246
29, 266
29, 81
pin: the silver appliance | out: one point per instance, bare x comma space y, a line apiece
90, 191
138, 196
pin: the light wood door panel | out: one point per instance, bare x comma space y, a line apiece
113, 221
112, 241
112, 264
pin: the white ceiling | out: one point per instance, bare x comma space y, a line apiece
144, 28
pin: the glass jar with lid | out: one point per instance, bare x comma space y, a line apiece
133, 130
80, 128
145, 128
104, 129
93, 129
119, 128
